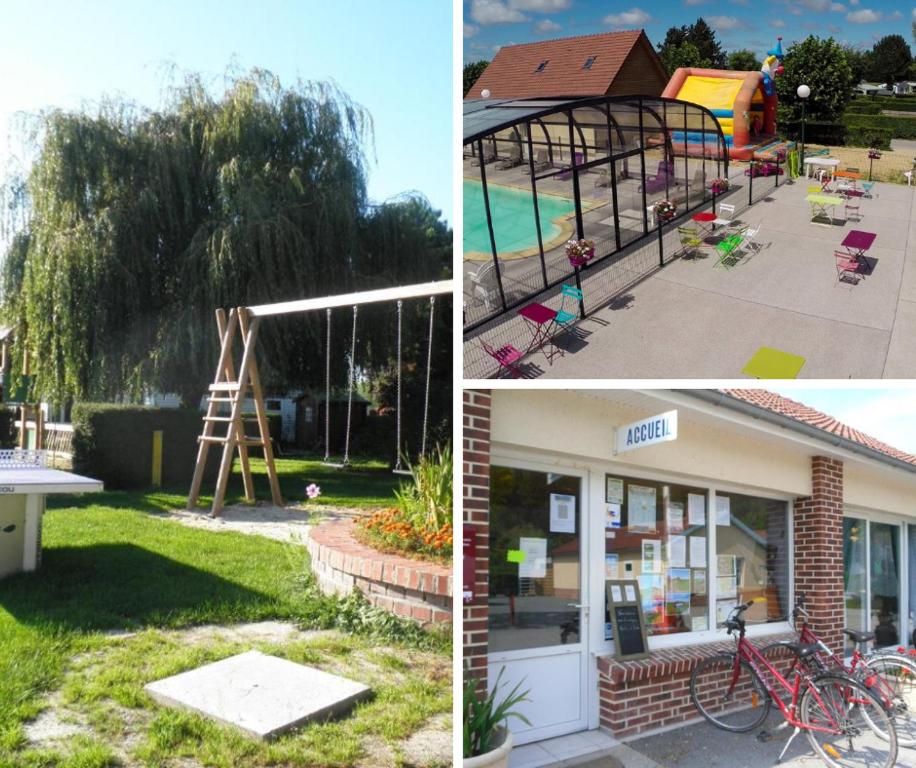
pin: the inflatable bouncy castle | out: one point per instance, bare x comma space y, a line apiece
744, 103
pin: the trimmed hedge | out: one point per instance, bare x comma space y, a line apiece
863, 108
900, 127
863, 136
114, 443
817, 132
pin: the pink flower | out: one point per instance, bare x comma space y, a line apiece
313, 491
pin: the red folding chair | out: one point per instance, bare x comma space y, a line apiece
507, 356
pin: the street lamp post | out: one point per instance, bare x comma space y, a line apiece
803, 92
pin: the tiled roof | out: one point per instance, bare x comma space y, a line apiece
804, 414
512, 74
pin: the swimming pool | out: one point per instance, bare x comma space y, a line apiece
513, 221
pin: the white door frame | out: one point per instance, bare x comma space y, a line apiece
588, 671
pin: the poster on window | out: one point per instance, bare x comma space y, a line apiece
727, 586
723, 510
652, 594
679, 585
699, 581
562, 513
641, 509
726, 565
533, 563
675, 516
677, 551
699, 624
696, 509
651, 556
611, 563
612, 518
697, 551
723, 609
613, 492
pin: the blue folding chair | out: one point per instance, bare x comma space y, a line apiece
566, 319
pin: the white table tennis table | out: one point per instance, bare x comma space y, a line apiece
25, 483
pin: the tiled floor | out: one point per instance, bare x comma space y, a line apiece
563, 750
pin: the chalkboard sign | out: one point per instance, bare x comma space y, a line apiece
627, 622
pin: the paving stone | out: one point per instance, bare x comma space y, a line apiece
261, 695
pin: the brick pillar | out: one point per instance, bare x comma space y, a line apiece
476, 470
819, 550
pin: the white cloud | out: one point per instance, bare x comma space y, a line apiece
694, 2
853, 2
540, 6
865, 16
895, 15
778, 23
816, 5
740, 2
837, 7
494, 12
470, 30
547, 26
725, 22
632, 18
795, 10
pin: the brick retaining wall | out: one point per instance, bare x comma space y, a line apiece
409, 588
654, 693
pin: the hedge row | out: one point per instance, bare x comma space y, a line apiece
864, 108
885, 102
114, 443
854, 131
900, 127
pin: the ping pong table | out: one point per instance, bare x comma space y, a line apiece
25, 483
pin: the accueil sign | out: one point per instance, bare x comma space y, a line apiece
651, 431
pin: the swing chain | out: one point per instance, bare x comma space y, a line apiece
429, 365
327, 391
346, 456
397, 464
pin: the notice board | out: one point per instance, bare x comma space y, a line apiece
627, 621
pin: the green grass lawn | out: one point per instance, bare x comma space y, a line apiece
112, 563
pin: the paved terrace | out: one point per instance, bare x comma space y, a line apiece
693, 319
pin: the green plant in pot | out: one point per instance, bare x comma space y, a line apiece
487, 741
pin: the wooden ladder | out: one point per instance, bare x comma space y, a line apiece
230, 389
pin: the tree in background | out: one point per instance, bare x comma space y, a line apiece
859, 63
472, 72
743, 61
135, 225
890, 60
822, 66
692, 45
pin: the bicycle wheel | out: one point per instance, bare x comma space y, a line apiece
847, 725
895, 685
736, 708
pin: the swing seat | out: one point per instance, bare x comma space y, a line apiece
335, 465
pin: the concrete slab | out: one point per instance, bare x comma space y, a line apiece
261, 695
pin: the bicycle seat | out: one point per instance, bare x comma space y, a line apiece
859, 637
802, 650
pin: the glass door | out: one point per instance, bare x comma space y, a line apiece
537, 618
855, 578
884, 573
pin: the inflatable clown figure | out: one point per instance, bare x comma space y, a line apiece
772, 66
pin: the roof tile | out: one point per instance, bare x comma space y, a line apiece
804, 414
512, 74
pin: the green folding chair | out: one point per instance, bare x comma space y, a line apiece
727, 250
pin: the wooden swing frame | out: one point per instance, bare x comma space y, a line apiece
230, 388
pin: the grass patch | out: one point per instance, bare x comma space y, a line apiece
112, 563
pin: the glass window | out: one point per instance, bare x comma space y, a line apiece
885, 583
752, 556
655, 533
534, 559
855, 597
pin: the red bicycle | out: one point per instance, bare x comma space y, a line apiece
846, 724
889, 675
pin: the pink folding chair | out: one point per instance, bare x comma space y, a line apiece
852, 207
847, 268
507, 356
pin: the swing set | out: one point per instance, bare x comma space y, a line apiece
230, 388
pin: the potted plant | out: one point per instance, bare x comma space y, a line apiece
580, 252
487, 741
719, 186
664, 210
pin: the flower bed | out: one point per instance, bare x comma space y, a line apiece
389, 531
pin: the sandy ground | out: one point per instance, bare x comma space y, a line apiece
291, 523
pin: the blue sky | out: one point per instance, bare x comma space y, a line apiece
751, 24
888, 414
395, 58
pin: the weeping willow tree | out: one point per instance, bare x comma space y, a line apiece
134, 225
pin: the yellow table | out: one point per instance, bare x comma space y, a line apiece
820, 203
769, 363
